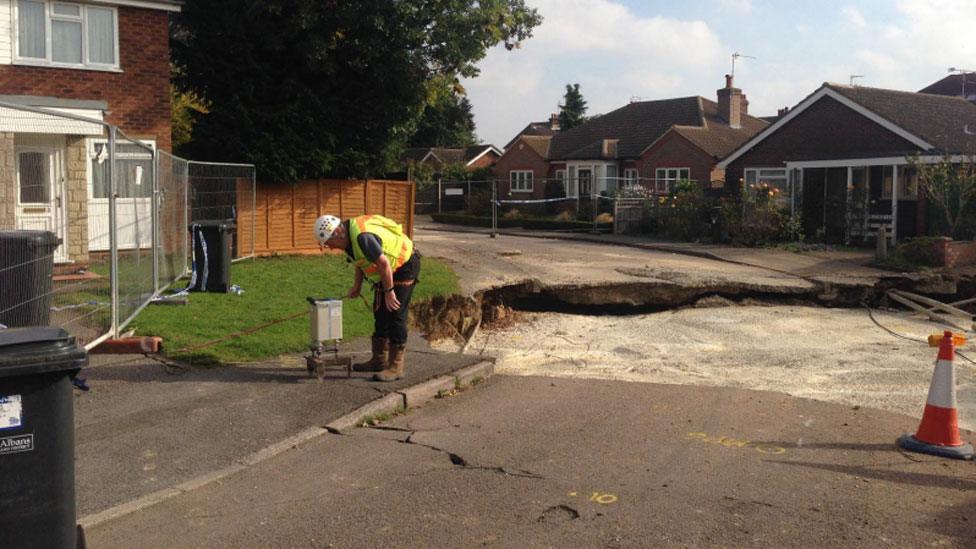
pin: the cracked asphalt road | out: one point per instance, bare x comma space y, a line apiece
540, 462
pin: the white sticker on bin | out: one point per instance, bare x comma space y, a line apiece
11, 412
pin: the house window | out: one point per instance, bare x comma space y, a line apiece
773, 177
630, 177
667, 177
907, 184
34, 173
66, 35
521, 181
133, 164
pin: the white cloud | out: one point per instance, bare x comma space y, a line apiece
613, 54
914, 50
854, 16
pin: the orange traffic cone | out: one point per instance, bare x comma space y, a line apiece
938, 434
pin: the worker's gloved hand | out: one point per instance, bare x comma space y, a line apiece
392, 303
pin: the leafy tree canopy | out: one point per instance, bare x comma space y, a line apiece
572, 111
306, 88
447, 120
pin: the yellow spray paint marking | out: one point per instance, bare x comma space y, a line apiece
730, 442
603, 498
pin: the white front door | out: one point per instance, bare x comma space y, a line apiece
41, 193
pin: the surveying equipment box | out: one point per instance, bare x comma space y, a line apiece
325, 321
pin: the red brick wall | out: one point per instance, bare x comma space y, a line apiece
521, 157
485, 161
138, 97
827, 130
674, 151
957, 253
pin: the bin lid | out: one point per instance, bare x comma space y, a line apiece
39, 350
38, 238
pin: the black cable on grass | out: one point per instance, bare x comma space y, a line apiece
896, 334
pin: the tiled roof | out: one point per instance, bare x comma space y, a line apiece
638, 125
446, 156
717, 138
938, 119
534, 128
538, 143
953, 85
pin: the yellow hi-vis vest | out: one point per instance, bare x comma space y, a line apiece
397, 247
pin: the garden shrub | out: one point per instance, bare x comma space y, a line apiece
755, 217
922, 250
684, 212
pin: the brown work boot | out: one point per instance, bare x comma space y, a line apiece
378, 360
394, 367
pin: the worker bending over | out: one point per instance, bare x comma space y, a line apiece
384, 256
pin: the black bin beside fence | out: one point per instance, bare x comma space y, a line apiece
212, 255
37, 446
26, 275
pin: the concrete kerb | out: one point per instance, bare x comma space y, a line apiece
390, 404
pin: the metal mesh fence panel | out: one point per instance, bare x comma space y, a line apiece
93, 224
225, 192
172, 206
133, 172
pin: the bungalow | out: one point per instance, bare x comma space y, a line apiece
106, 61
649, 143
841, 158
440, 158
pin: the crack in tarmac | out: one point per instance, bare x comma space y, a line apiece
457, 459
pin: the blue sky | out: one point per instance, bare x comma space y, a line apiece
623, 49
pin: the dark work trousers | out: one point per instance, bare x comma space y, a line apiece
393, 325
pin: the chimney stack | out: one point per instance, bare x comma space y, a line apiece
554, 122
732, 103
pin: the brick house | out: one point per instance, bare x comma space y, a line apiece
841, 158
648, 143
107, 61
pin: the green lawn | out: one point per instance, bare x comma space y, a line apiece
274, 288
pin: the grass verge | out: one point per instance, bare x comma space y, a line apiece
274, 288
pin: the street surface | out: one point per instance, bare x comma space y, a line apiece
610, 431
537, 462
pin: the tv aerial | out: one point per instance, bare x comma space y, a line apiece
737, 55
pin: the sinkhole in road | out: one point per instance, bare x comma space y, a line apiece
453, 316
806, 343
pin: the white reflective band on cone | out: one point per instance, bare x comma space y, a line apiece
942, 392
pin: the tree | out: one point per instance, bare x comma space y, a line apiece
308, 88
949, 185
572, 112
447, 120
186, 107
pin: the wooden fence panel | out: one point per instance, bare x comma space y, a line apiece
285, 213
307, 206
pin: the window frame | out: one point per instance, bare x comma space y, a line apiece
669, 181
49, 18
521, 181
631, 176
93, 145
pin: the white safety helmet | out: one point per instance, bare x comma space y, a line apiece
324, 227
